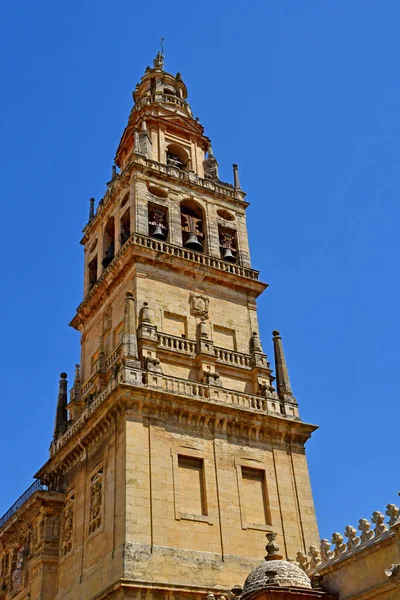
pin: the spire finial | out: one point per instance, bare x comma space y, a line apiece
158, 62
62, 401
236, 182
129, 337
282, 373
272, 548
91, 209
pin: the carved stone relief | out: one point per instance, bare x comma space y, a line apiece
199, 305
96, 501
17, 577
107, 320
68, 526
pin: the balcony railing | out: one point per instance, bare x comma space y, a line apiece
202, 259
171, 342
36, 485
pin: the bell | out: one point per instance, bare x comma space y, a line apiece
158, 233
193, 243
227, 255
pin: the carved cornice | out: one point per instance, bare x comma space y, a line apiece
207, 408
41, 503
145, 249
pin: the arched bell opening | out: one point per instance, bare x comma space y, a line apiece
108, 243
228, 244
158, 222
177, 157
92, 272
193, 226
125, 227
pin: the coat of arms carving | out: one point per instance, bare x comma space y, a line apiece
199, 305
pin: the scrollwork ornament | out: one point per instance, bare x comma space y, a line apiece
315, 558
352, 539
365, 527
392, 511
340, 547
325, 550
378, 519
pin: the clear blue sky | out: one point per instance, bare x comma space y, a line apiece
305, 96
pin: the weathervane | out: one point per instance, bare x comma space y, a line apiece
158, 62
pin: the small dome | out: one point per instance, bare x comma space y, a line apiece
275, 573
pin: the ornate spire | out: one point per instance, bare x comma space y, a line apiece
91, 209
282, 374
130, 339
61, 414
236, 182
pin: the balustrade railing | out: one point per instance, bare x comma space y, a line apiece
231, 357
87, 386
114, 357
36, 485
171, 342
202, 259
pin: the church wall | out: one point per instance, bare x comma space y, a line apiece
362, 576
167, 540
96, 483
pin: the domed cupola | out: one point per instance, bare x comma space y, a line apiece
159, 87
274, 572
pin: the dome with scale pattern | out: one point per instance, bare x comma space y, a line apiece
274, 573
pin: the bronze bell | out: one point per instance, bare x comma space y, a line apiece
158, 233
193, 243
227, 255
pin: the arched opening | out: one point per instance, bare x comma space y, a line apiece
158, 221
228, 244
193, 226
125, 227
177, 157
108, 243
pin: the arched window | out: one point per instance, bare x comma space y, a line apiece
193, 226
177, 157
108, 243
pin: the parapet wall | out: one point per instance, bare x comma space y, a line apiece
365, 566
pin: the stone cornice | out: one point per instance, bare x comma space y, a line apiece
202, 410
145, 249
40, 500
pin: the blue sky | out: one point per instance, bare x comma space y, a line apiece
305, 97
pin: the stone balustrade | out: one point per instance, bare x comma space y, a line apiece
177, 344
178, 387
197, 257
367, 532
88, 387
237, 359
114, 357
167, 98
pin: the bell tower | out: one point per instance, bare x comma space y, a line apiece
176, 450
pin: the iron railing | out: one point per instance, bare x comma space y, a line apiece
36, 485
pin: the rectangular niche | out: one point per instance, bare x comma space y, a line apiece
191, 485
223, 337
174, 324
253, 495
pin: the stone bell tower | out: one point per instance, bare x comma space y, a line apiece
175, 453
